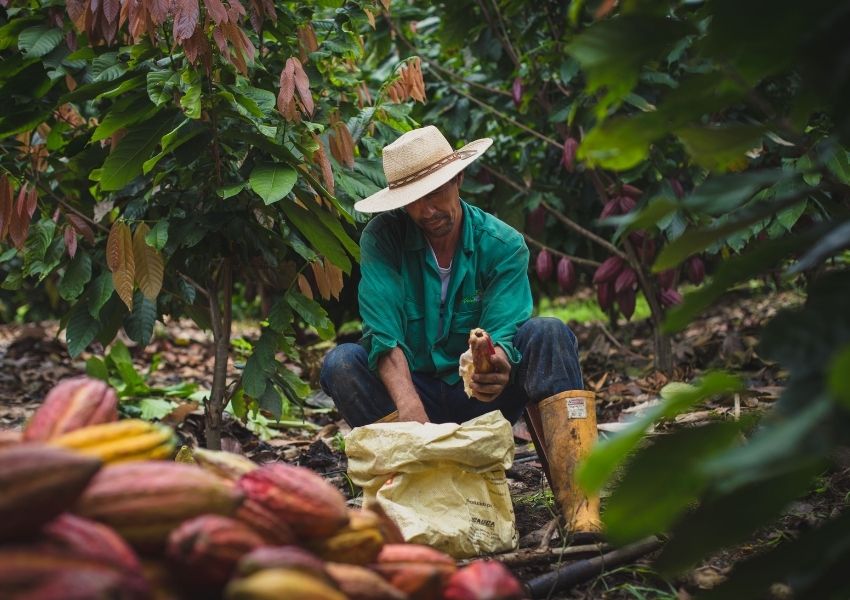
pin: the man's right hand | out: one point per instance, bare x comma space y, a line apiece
413, 412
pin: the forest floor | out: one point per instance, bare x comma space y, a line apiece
617, 364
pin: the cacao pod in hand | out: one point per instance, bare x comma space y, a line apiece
569, 157
311, 506
72, 404
516, 91
605, 294
38, 484
626, 302
608, 270
483, 580
566, 275
544, 265
670, 297
696, 270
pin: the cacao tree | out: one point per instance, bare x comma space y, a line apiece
155, 156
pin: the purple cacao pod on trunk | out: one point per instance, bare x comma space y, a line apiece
566, 275
605, 295
696, 270
626, 280
631, 191
627, 203
569, 157
612, 207
670, 297
626, 302
608, 270
667, 279
516, 91
544, 265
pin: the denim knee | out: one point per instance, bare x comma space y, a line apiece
548, 328
344, 361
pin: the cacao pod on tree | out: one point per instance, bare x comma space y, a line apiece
626, 302
569, 156
605, 294
516, 91
625, 280
631, 191
608, 270
670, 297
677, 187
696, 270
544, 265
611, 208
667, 279
567, 279
627, 203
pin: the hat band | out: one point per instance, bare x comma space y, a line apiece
422, 173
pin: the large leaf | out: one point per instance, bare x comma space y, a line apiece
621, 143
125, 162
319, 236
721, 148
149, 264
82, 329
312, 313
76, 276
39, 40
139, 323
119, 357
272, 182
99, 291
124, 114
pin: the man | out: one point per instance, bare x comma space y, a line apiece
433, 268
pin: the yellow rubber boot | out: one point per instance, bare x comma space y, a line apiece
568, 421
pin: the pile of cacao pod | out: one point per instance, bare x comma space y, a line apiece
94, 507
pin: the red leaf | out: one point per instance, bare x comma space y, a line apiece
32, 201
216, 10
81, 227
186, 13
302, 84
287, 86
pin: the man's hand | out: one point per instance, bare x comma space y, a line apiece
487, 386
395, 374
412, 411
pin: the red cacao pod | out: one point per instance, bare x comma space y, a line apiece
626, 302
567, 279
90, 539
413, 553
608, 270
670, 297
72, 404
625, 280
676, 185
544, 265
611, 208
630, 191
311, 506
483, 580
516, 91
605, 294
569, 157
667, 279
696, 270
206, 549
536, 221
627, 203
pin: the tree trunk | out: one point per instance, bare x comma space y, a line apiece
221, 317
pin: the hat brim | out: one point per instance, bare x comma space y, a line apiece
391, 198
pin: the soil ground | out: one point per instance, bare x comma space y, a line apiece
617, 364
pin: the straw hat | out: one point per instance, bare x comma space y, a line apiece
417, 163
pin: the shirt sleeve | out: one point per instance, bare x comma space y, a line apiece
507, 301
381, 298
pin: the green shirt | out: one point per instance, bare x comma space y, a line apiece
399, 291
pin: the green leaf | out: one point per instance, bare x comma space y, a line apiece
296, 388
191, 101
154, 409
124, 115
723, 193
96, 367
271, 401
272, 181
99, 292
157, 237
254, 377
662, 481
76, 276
322, 239
125, 162
38, 240
621, 143
186, 131
161, 85
312, 313
280, 316
120, 358
39, 40
831, 243
229, 191
838, 377
82, 329
721, 148
139, 323
335, 226
608, 454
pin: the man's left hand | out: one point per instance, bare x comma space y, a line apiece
487, 386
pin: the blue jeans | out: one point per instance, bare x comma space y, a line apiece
549, 366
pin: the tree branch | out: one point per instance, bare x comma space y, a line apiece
586, 233
576, 259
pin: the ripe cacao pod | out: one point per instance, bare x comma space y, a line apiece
38, 484
358, 543
39, 574
122, 441
569, 156
626, 280
696, 270
483, 580
10, 437
608, 270
536, 221
85, 538
414, 553
626, 302
567, 278
282, 557
627, 204
611, 208
605, 294
516, 91
667, 279
670, 297
145, 501
271, 526
630, 191
71, 404
360, 583
206, 549
419, 581
300, 497
544, 265
391, 532
229, 465
274, 584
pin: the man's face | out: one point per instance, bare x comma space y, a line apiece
438, 212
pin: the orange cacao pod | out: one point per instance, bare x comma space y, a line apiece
144, 501
483, 580
360, 583
38, 483
357, 543
414, 553
419, 581
300, 497
71, 404
282, 557
207, 548
482, 349
38, 574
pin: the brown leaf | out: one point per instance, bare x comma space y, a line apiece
216, 11
32, 201
304, 286
604, 9
287, 86
307, 42
124, 275
186, 13
341, 144
111, 9
81, 227
70, 241
370, 17
302, 84
321, 278
321, 159
334, 278
148, 263
113, 247
19, 227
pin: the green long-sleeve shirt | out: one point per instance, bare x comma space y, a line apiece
399, 291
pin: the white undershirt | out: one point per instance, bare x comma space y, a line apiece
445, 274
